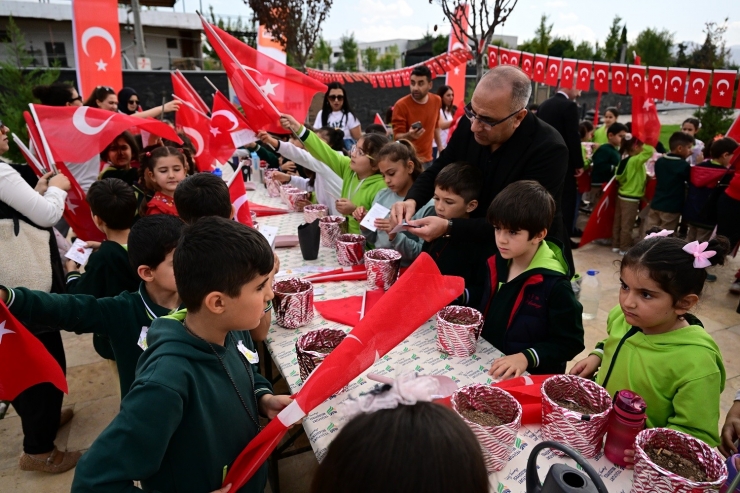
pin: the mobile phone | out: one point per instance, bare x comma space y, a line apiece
416, 125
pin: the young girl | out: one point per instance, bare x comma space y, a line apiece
586, 131
655, 347
399, 167
631, 176
361, 180
610, 116
691, 126
118, 157
162, 169
446, 114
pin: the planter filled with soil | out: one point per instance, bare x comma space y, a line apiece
293, 302
331, 227
313, 347
458, 329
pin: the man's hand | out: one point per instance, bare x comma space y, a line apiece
429, 228
413, 134
509, 366
270, 405
586, 367
345, 206
289, 123
402, 210
383, 225
268, 139
359, 214
730, 431
579, 172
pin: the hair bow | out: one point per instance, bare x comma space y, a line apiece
665, 232
627, 136
407, 389
700, 253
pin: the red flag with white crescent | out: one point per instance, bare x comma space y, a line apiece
676, 89
583, 71
504, 55
657, 79
553, 71
492, 56
197, 127
569, 73
636, 75
601, 76
698, 86
515, 56
185, 91
527, 63
458, 40
238, 195
601, 221
540, 68
619, 78
723, 87
77, 212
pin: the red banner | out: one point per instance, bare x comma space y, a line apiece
553, 71
97, 43
540, 68
569, 73
504, 55
527, 63
584, 75
698, 86
657, 79
637, 80
723, 86
458, 40
676, 84
515, 57
601, 76
619, 78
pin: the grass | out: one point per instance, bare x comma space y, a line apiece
666, 131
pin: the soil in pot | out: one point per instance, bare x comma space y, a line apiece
574, 406
482, 418
677, 464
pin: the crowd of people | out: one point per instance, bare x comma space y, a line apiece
493, 198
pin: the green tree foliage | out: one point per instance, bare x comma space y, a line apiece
370, 59
682, 57
388, 60
17, 80
236, 28
612, 47
654, 47
348, 61
542, 38
440, 44
321, 55
561, 47
583, 51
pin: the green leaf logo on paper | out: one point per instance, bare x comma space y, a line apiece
481, 368
448, 368
405, 349
388, 368
331, 411
387, 358
414, 357
518, 443
293, 373
331, 428
294, 361
474, 357
419, 368
443, 356
489, 381
361, 381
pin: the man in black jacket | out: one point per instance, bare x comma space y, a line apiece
561, 112
506, 144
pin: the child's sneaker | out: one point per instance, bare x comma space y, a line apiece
735, 287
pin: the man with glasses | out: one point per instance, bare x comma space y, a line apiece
507, 144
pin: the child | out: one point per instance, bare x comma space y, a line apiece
586, 132
108, 271
361, 180
196, 400
632, 177
691, 126
163, 168
610, 118
456, 191
655, 347
605, 160
118, 157
531, 313
399, 166
671, 173
125, 318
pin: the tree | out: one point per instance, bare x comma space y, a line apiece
370, 59
622, 51
542, 38
17, 80
481, 18
682, 58
612, 47
321, 55
348, 61
237, 28
654, 47
388, 60
296, 24
561, 47
440, 44
584, 51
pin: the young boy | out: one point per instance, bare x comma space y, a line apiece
605, 160
108, 271
124, 319
456, 191
196, 400
671, 172
529, 308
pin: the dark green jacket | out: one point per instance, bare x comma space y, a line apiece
605, 161
672, 174
120, 318
182, 422
108, 273
266, 155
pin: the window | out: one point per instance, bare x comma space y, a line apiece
172, 43
56, 54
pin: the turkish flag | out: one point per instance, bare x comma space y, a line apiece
185, 91
234, 130
397, 79
584, 75
553, 71
723, 87
657, 79
35, 142
540, 68
676, 84
76, 133
388, 80
527, 63
492, 56
238, 195
514, 57
444, 61
504, 55
698, 86
374, 80
97, 45
381, 79
619, 78
77, 211
378, 120
645, 121
24, 361
346, 311
600, 222
405, 77
601, 76
197, 127
569, 73
637, 80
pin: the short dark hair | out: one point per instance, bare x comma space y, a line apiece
523, 206
242, 254
422, 71
113, 201
584, 128
371, 453
55, 94
152, 238
376, 128
680, 139
613, 110
615, 128
129, 138
334, 137
200, 195
721, 146
461, 179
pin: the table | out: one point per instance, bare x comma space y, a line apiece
416, 353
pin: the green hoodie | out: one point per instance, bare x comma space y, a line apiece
600, 136
535, 313
680, 374
632, 175
182, 422
360, 192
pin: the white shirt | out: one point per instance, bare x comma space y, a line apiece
327, 185
44, 210
339, 120
446, 116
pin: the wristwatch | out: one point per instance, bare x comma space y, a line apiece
449, 229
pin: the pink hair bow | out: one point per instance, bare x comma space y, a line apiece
665, 232
700, 253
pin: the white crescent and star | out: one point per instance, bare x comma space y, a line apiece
680, 81
238, 203
601, 73
215, 131
527, 65
693, 84
70, 205
229, 115
98, 32
4, 331
584, 73
514, 60
80, 123
566, 69
197, 137
539, 66
101, 65
723, 81
656, 76
269, 88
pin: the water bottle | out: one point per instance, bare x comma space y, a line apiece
256, 167
218, 172
626, 420
590, 295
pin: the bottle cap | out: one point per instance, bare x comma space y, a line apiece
592, 272
217, 172
629, 403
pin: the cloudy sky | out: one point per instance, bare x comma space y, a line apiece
374, 20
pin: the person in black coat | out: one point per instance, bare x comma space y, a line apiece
561, 112
507, 144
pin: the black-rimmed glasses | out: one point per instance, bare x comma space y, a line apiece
486, 122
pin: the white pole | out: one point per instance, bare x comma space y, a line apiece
44, 143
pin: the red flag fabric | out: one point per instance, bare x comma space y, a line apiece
540, 68
601, 76
492, 56
229, 119
389, 79
553, 71
459, 113
238, 195
734, 131
584, 75
370, 339
528, 392
637, 80
34, 140
353, 273
601, 221
77, 133
378, 120
397, 79
77, 211
723, 87
381, 79
504, 55
514, 57
24, 361
645, 121
657, 79
619, 78
198, 128
347, 310
676, 89
698, 86
184, 90
405, 77
263, 210
569, 73
527, 63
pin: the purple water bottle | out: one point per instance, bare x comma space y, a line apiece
627, 419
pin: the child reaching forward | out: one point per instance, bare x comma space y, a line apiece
655, 347
163, 168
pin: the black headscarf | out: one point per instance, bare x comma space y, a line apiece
123, 96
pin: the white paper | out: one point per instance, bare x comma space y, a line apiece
377, 211
404, 226
269, 232
243, 137
79, 252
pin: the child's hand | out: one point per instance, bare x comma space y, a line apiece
288, 166
270, 405
359, 213
345, 206
280, 177
225, 489
300, 204
629, 458
268, 139
71, 266
509, 366
289, 123
731, 430
383, 225
586, 367
276, 267
95, 245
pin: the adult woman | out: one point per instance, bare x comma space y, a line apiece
446, 112
337, 113
118, 157
30, 259
105, 98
